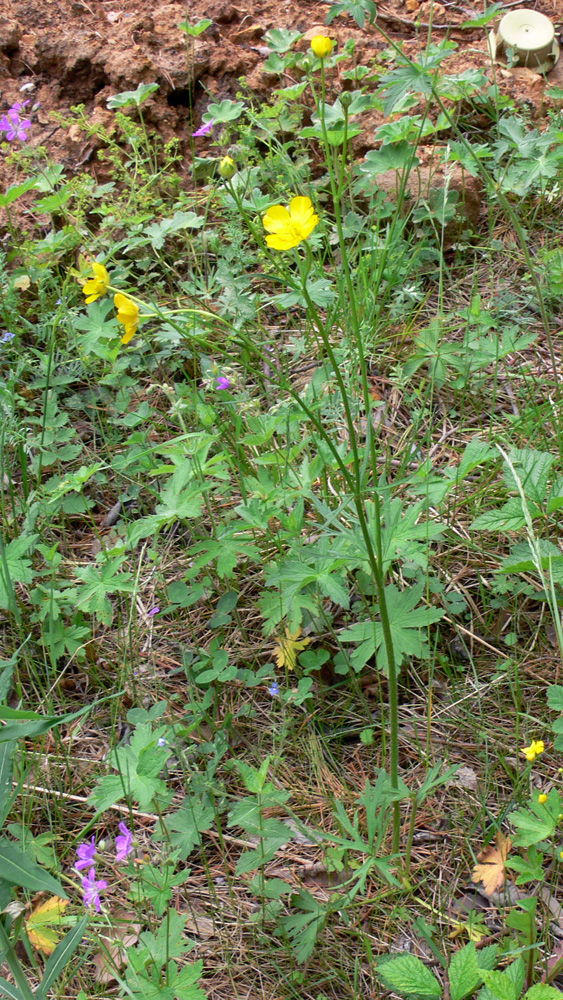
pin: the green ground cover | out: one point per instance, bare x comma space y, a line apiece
280, 570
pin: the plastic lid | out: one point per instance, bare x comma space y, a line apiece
530, 35
527, 31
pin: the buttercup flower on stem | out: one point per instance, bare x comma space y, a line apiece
536, 747
322, 46
98, 285
290, 226
86, 854
92, 888
204, 129
127, 314
542, 798
123, 843
227, 168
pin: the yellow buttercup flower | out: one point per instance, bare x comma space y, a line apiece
227, 167
536, 747
290, 226
542, 798
98, 285
321, 46
128, 314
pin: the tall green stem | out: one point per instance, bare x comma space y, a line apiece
375, 558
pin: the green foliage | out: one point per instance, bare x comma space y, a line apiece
408, 622
132, 97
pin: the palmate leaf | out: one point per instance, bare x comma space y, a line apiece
407, 629
358, 9
304, 928
537, 823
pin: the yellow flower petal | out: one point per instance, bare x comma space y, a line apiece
130, 332
276, 218
98, 285
536, 747
321, 46
290, 226
301, 209
127, 314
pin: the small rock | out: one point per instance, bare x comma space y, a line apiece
435, 11
318, 29
10, 34
435, 176
223, 13
249, 34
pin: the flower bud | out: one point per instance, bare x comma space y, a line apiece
542, 798
321, 46
346, 99
227, 168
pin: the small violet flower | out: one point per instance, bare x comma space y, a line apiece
274, 689
162, 742
92, 888
123, 843
14, 126
86, 853
6, 337
204, 129
153, 611
224, 383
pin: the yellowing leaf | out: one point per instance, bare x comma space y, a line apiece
43, 923
491, 870
287, 648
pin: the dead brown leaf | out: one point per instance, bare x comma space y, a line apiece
203, 927
490, 869
116, 940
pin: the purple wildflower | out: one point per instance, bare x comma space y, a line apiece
6, 336
274, 689
14, 126
86, 853
92, 888
204, 129
124, 843
223, 382
18, 106
162, 742
153, 611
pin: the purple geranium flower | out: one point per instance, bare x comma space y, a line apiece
14, 126
124, 843
223, 382
204, 129
92, 888
18, 106
86, 853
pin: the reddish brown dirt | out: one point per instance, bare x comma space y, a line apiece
65, 52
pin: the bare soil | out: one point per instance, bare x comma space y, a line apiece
59, 53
